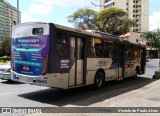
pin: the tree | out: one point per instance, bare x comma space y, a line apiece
112, 20
157, 42
5, 47
152, 38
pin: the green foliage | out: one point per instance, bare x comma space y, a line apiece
112, 20
5, 47
153, 38
5, 59
84, 19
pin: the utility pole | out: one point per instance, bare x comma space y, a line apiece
100, 5
17, 11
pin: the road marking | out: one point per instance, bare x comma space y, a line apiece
6, 93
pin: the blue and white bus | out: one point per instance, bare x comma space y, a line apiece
53, 55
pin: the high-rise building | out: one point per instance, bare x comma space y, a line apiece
8, 17
136, 9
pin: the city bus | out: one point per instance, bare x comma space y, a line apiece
52, 55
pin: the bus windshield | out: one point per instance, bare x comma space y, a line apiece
30, 48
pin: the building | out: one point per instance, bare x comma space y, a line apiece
137, 10
8, 17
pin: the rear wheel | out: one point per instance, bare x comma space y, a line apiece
98, 80
9, 81
136, 72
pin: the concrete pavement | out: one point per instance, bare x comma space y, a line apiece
144, 92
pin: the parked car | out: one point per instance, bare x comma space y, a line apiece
5, 71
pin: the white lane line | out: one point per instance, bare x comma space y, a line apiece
7, 93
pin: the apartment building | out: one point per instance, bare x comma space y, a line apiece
8, 17
136, 9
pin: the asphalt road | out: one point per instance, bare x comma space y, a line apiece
143, 91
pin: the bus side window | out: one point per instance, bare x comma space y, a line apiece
98, 48
72, 47
129, 51
136, 52
61, 44
110, 49
91, 48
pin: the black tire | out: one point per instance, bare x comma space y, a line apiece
9, 80
98, 80
136, 73
154, 77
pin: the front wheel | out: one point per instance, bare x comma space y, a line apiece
98, 80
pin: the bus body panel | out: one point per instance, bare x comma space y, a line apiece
94, 64
30, 49
59, 80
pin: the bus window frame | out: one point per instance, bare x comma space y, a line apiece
129, 48
98, 49
136, 48
110, 50
90, 48
67, 44
37, 33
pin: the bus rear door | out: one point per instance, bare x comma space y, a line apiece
77, 71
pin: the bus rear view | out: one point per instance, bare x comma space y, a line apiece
53, 55
30, 49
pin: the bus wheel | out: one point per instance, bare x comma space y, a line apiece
135, 73
98, 80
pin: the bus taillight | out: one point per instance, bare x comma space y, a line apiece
45, 62
9, 70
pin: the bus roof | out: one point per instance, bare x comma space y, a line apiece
29, 23
76, 30
93, 33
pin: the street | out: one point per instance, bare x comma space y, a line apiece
141, 92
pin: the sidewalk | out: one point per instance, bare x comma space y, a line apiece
151, 67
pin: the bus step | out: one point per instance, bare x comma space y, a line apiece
81, 85
119, 78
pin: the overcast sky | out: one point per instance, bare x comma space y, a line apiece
57, 11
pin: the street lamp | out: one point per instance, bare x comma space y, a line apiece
101, 5
17, 11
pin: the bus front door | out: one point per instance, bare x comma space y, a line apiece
77, 61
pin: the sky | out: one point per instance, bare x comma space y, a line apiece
57, 11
